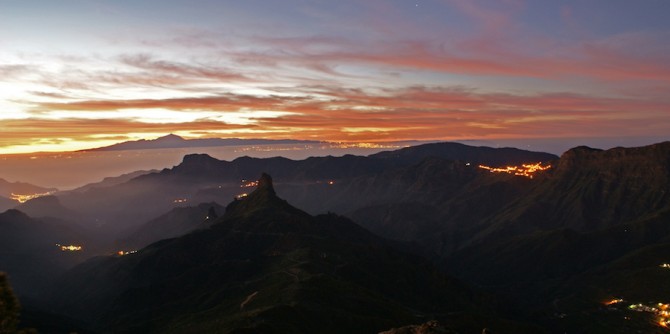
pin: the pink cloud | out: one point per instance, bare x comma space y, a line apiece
418, 112
478, 56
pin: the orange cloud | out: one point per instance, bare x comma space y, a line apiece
339, 114
26, 132
220, 103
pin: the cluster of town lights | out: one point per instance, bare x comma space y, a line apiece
69, 248
613, 301
122, 253
527, 170
364, 145
660, 310
25, 198
248, 184
272, 148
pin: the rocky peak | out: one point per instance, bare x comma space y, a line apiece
265, 184
198, 164
12, 215
170, 138
264, 194
577, 156
197, 158
649, 158
262, 198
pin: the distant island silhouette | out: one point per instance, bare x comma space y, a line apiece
174, 141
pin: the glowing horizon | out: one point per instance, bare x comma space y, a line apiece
86, 75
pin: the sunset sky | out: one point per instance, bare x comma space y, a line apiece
77, 74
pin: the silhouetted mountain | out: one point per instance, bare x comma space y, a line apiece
174, 141
177, 222
266, 267
320, 184
47, 206
6, 204
113, 181
29, 251
21, 188
461, 152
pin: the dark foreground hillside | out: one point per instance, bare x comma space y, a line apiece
30, 250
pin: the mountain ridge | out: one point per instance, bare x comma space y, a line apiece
201, 178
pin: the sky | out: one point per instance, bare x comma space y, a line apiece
77, 74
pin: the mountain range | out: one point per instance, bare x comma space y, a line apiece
543, 249
266, 267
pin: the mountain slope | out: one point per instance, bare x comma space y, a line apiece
6, 204
21, 188
47, 206
534, 257
113, 181
29, 251
177, 222
264, 267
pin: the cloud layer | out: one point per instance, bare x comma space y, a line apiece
447, 70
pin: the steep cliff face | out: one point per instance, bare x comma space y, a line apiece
592, 189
